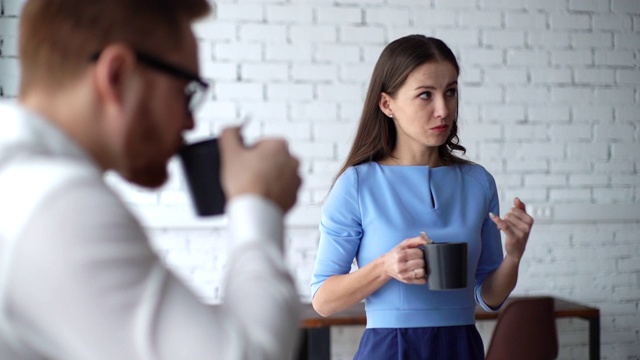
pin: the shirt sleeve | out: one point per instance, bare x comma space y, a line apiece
340, 230
85, 284
491, 255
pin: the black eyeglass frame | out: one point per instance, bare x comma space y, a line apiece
194, 90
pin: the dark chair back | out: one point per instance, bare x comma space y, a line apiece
525, 330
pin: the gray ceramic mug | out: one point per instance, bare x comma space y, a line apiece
445, 265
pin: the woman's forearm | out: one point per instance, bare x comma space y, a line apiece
341, 291
499, 284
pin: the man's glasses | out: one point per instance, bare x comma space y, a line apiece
196, 90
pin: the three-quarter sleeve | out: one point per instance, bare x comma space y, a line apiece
491, 254
340, 230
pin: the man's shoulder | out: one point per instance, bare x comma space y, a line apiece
29, 172
30, 182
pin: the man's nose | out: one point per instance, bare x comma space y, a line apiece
189, 123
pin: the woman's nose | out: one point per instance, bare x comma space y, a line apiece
441, 107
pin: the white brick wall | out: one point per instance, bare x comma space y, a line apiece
550, 95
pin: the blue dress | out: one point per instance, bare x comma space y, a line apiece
372, 208
424, 343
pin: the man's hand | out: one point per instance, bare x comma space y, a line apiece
265, 169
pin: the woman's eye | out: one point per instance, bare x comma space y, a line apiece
425, 95
452, 92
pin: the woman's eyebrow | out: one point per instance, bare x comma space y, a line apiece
431, 87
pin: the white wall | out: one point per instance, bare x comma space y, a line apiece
550, 93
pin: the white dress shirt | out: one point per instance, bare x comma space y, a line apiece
79, 280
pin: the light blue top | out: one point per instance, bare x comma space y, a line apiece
373, 207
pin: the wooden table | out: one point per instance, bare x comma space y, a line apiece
316, 338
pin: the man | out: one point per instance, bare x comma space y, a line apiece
111, 85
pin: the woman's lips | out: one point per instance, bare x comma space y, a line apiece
439, 128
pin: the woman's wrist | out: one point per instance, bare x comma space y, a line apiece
382, 264
512, 260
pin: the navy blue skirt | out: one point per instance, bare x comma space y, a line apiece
437, 343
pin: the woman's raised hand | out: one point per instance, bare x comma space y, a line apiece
516, 225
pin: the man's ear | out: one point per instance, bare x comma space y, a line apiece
112, 74
385, 104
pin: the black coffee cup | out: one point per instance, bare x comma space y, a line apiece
201, 165
445, 265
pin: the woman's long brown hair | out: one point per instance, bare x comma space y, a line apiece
376, 135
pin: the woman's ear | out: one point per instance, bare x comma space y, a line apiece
385, 104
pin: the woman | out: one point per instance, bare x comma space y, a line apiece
402, 178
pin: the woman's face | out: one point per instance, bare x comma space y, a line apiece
425, 107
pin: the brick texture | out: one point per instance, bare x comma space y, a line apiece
550, 103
